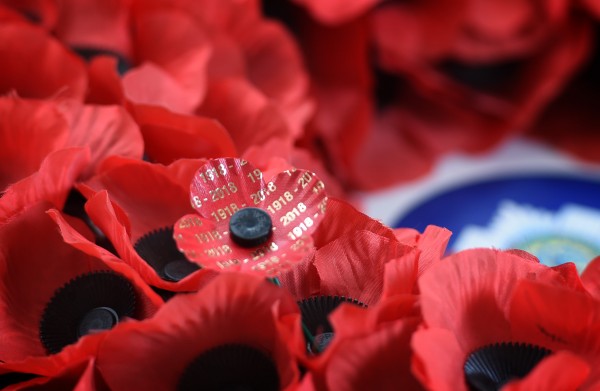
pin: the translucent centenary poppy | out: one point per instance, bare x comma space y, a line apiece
75, 294
466, 302
233, 333
136, 204
247, 224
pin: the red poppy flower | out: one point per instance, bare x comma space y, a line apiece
135, 204
41, 12
74, 294
466, 302
246, 224
234, 332
51, 71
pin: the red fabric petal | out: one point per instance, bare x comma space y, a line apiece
558, 319
379, 361
232, 309
51, 183
336, 11
172, 40
255, 119
29, 131
353, 265
438, 360
106, 130
146, 193
104, 85
274, 65
169, 136
561, 371
342, 218
151, 85
42, 12
42, 68
591, 278
95, 24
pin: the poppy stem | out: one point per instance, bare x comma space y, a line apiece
307, 334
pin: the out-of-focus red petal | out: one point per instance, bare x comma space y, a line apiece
274, 65
104, 85
559, 319
231, 309
591, 277
29, 131
172, 40
255, 119
151, 85
379, 361
336, 11
562, 371
106, 130
169, 136
51, 183
42, 68
438, 360
42, 12
95, 24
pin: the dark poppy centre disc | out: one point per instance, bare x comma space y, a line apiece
491, 367
87, 304
250, 227
159, 250
231, 368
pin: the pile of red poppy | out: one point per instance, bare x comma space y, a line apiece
172, 211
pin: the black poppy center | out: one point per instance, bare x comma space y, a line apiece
315, 317
491, 367
159, 250
98, 319
231, 368
87, 304
250, 227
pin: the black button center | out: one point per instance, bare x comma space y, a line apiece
98, 319
250, 227
179, 269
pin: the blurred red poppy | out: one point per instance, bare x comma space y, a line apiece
466, 302
247, 224
233, 333
591, 277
